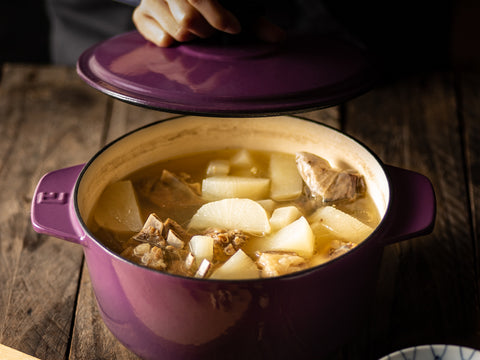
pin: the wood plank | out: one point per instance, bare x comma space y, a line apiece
329, 116
426, 290
50, 120
126, 117
91, 338
470, 112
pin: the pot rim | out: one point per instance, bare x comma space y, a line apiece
371, 238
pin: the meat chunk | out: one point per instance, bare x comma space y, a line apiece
277, 263
152, 232
339, 247
159, 245
327, 183
226, 242
173, 195
171, 226
151, 256
172, 188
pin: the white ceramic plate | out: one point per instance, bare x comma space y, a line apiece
434, 352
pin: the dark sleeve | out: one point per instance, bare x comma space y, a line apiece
76, 25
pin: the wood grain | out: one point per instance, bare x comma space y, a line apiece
426, 290
91, 339
469, 89
329, 116
49, 120
126, 117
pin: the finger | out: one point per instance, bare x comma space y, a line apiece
217, 16
159, 11
151, 29
188, 18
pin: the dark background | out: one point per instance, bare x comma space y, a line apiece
425, 33
24, 31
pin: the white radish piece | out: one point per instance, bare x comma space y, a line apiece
189, 261
243, 164
283, 216
343, 225
242, 159
203, 269
232, 214
323, 236
218, 167
201, 248
223, 187
286, 182
296, 237
268, 205
117, 208
238, 266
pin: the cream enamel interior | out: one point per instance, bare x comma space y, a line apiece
190, 134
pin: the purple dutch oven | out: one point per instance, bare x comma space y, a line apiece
162, 316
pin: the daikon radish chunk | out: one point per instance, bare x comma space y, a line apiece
343, 225
223, 187
203, 269
323, 236
296, 237
268, 205
243, 164
242, 158
238, 266
232, 214
201, 248
189, 261
117, 208
218, 167
283, 216
286, 182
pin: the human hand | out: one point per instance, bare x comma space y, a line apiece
164, 22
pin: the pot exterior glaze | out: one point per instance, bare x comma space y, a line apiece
161, 316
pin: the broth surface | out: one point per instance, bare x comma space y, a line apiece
179, 189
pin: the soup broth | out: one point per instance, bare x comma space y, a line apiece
235, 214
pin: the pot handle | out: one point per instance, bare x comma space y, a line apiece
413, 205
52, 210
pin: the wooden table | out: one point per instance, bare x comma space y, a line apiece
428, 287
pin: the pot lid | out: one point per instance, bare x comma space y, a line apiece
210, 78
